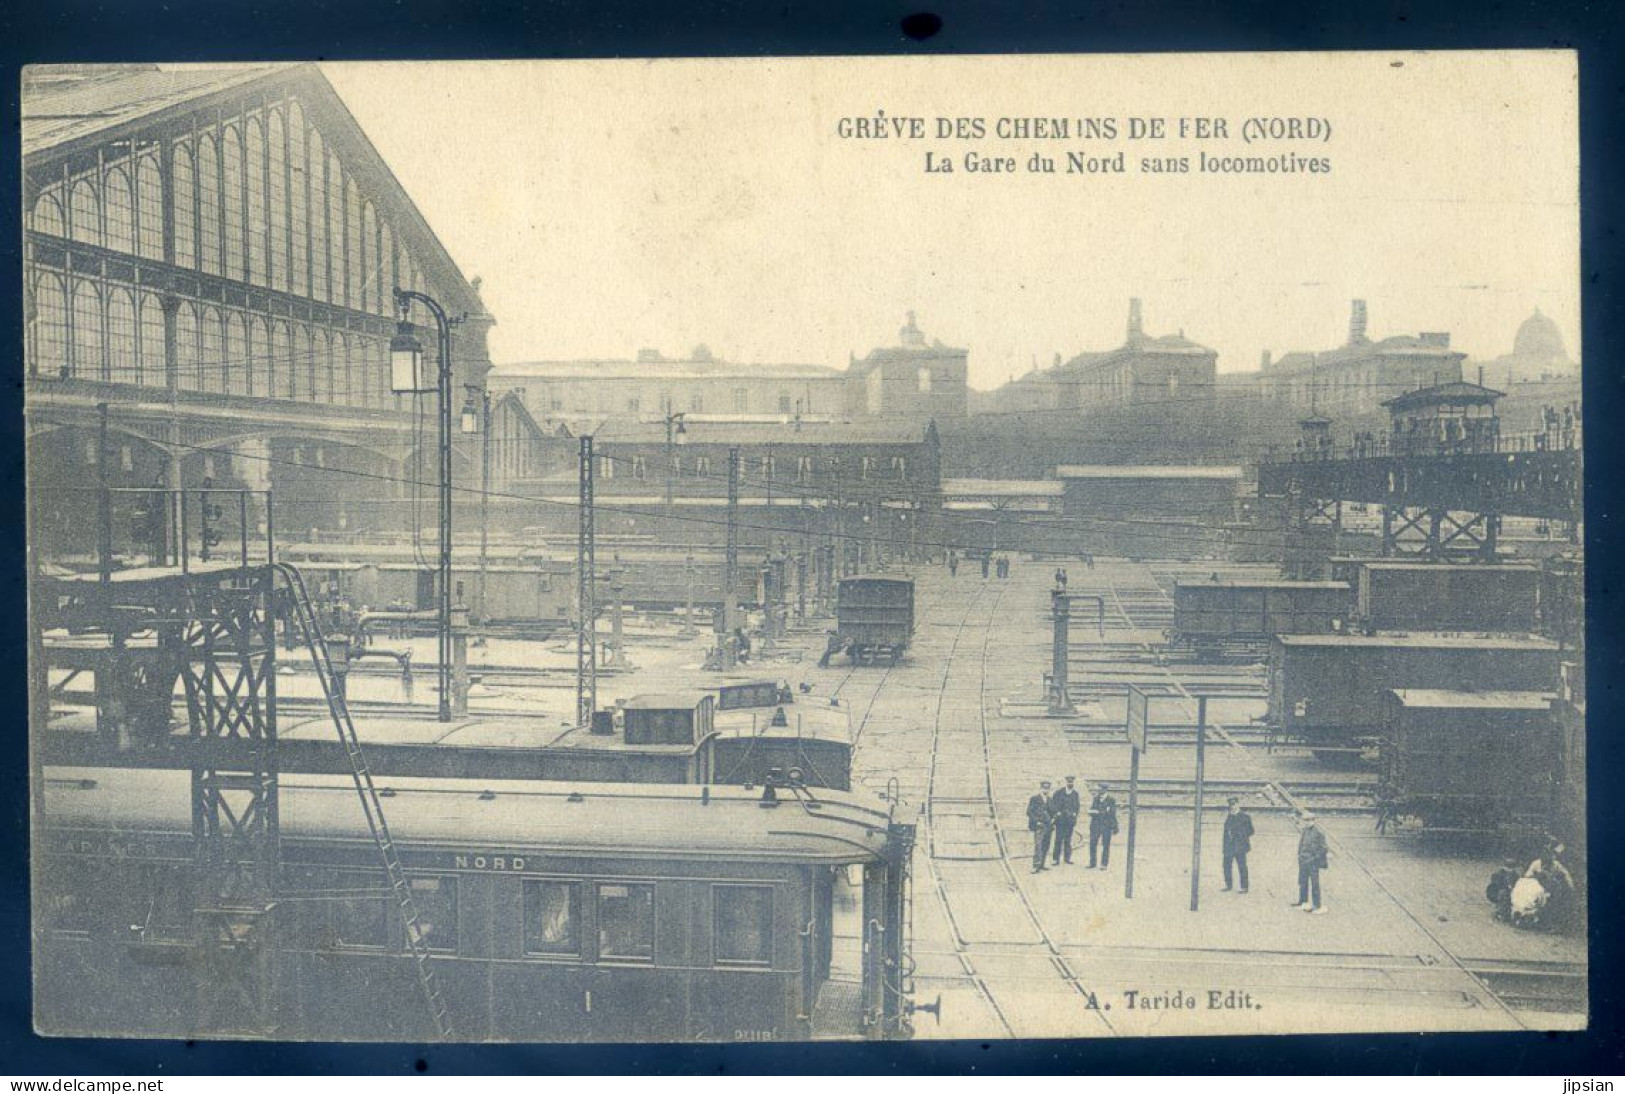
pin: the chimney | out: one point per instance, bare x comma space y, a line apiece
1357, 324
1264, 362
1136, 329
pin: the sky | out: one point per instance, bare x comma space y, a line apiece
608, 206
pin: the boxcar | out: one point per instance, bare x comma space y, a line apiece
1240, 616
1473, 760
552, 912
1326, 690
874, 617
1440, 596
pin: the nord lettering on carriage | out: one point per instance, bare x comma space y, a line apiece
504, 863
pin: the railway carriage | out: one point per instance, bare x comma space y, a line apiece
1238, 617
551, 912
1327, 690
1471, 760
1443, 596
874, 617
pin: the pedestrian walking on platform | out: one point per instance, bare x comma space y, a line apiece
1041, 823
1238, 840
1312, 859
1065, 805
1102, 826
953, 563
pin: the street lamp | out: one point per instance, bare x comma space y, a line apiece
674, 433
477, 419
409, 375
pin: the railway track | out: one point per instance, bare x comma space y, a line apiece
1014, 1013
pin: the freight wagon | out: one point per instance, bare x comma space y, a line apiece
1214, 619
1327, 690
1470, 760
1438, 596
551, 912
874, 617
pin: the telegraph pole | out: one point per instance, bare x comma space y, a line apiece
587, 624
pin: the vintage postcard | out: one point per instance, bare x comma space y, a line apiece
806, 549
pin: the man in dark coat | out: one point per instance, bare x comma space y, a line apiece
1102, 826
1065, 805
1312, 853
1040, 822
1238, 840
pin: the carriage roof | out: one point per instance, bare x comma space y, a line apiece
624, 820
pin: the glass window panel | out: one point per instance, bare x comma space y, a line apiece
318, 216
304, 366
185, 183
149, 200
388, 279
119, 213
86, 212
626, 922
298, 203
153, 368
435, 899
279, 371
259, 378
742, 924
553, 917
232, 220
212, 364
49, 329
238, 367
355, 253
338, 275
254, 166
87, 332
276, 200
122, 364
372, 282
186, 335
47, 215
208, 183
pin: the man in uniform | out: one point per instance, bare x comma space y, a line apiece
1040, 822
1102, 825
1312, 853
1238, 840
1065, 805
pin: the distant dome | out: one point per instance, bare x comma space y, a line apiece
1538, 340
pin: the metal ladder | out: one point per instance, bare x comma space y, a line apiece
371, 804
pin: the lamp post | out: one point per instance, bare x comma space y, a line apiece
477, 419
674, 430
408, 376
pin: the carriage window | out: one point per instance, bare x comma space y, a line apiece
742, 924
435, 899
361, 921
553, 917
626, 921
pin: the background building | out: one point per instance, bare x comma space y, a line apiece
913, 379
581, 392
1358, 376
1144, 369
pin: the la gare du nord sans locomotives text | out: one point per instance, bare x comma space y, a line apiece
881, 126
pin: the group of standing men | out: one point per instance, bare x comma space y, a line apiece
1053, 817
